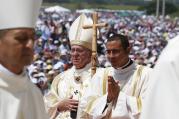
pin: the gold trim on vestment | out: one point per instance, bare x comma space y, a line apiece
90, 104
139, 104
81, 43
106, 72
136, 79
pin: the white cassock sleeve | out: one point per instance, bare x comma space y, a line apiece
127, 106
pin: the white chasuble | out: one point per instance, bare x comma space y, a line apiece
19, 98
163, 94
69, 83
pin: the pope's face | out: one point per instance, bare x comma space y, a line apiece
16, 47
80, 56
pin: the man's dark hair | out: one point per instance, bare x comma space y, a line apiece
122, 38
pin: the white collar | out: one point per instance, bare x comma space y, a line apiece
78, 73
86, 68
122, 67
129, 68
5, 71
11, 81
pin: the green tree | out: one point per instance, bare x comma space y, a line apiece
151, 8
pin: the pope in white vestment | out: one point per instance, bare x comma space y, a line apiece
133, 81
72, 83
65, 85
162, 98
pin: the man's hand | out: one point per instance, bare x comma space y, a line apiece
113, 89
68, 105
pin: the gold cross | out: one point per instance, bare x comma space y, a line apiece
94, 26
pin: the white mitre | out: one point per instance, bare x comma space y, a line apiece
19, 13
80, 36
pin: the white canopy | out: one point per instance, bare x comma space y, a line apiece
85, 11
57, 9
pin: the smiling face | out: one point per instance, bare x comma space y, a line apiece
80, 56
16, 48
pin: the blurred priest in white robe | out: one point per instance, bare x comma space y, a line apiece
163, 94
19, 98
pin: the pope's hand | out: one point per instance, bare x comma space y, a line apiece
68, 105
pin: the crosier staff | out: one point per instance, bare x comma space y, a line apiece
94, 26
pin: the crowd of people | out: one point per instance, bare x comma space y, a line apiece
55, 54
147, 34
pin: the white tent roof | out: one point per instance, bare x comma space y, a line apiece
85, 11
57, 9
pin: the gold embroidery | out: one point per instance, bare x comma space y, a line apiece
137, 77
55, 83
139, 104
89, 106
84, 43
105, 80
77, 78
